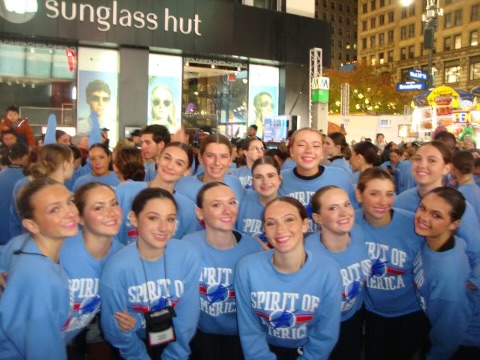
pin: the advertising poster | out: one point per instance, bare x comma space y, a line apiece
97, 90
165, 91
262, 95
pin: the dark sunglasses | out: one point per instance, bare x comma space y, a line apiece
157, 102
97, 98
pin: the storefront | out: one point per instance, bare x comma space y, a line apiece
217, 63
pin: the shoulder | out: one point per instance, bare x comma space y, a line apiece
182, 200
195, 237
181, 249
130, 187
254, 261
122, 259
402, 214
249, 243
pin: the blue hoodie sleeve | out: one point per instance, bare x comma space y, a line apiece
32, 321
115, 299
252, 335
468, 230
323, 334
187, 310
449, 321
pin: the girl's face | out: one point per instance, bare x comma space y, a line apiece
428, 166
255, 151
336, 212
155, 223
377, 199
55, 215
356, 161
172, 163
69, 168
216, 159
99, 161
307, 152
101, 215
219, 209
64, 140
432, 218
266, 180
284, 227
329, 148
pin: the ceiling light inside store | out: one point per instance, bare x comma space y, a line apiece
74, 93
245, 81
213, 66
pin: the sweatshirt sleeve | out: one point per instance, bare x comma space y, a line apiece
252, 335
33, 322
449, 320
114, 299
323, 335
468, 231
187, 310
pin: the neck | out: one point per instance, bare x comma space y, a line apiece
208, 179
436, 242
147, 252
264, 200
365, 166
379, 222
335, 242
48, 247
291, 262
308, 172
158, 182
58, 175
97, 245
465, 179
423, 189
221, 240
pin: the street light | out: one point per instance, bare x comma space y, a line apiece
430, 19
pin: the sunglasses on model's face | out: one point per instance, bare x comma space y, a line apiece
98, 98
157, 102
264, 104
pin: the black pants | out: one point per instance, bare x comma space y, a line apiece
215, 347
285, 353
467, 353
396, 338
350, 341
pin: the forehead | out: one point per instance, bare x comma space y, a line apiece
264, 168
436, 203
308, 135
99, 192
218, 193
379, 184
97, 151
334, 195
145, 137
279, 209
429, 150
255, 143
160, 206
100, 93
175, 152
162, 92
49, 194
217, 148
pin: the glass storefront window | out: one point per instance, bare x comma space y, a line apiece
40, 80
215, 93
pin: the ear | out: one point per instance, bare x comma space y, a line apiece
31, 226
454, 225
338, 147
358, 196
446, 169
161, 146
133, 219
199, 213
316, 218
305, 225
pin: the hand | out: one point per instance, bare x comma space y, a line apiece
3, 281
471, 287
125, 321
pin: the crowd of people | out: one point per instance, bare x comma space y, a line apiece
316, 249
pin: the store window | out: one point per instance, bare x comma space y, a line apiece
447, 43
215, 93
264, 4
457, 39
452, 71
474, 38
40, 79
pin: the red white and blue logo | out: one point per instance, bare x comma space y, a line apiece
284, 319
217, 293
380, 268
158, 304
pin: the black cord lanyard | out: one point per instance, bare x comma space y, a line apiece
165, 278
21, 252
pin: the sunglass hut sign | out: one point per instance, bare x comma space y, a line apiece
107, 16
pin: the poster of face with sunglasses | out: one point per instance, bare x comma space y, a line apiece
164, 91
97, 90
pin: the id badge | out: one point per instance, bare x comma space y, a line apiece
159, 326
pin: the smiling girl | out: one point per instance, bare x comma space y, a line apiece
288, 298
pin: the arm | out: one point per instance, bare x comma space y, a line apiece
114, 301
187, 310
252, 335
29, 134
468, 231
323, 334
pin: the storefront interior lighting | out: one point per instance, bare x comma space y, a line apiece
32, 50
213, 66
187, 64
74, 93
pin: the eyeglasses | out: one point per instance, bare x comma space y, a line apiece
266, 104
258, 149
98, 98
157, 102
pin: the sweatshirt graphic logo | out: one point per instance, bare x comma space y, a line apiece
217, 292
284, 319
82, 313
217, 295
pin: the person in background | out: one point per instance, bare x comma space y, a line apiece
448, 139
35, 305
13, 121
364, 156
155, 279
380, 142
105, 139
18, 157
405, 178
441, 272
62, 138
462, 171
476, 171
252, 132
266, 180
343, 242
163, 108
128, 164
220, 248
278, 155
252, 150
98, 96
278, 316
154, 138
337, 151
8, 138
135, 137
100, 158
263, 107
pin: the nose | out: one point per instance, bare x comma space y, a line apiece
217, 160
162, 226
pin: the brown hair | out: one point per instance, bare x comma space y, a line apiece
371, 174
215, 139
289, 200
24, 197
50, 158
129, 162
80, 196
